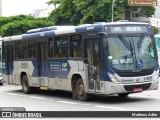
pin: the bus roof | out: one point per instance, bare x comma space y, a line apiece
47, 29
58, 30
12, 38
122, 23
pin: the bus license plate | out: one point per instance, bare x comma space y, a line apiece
137, 90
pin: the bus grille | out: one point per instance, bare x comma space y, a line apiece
131, 87
135, 74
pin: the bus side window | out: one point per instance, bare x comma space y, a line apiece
61, 47
89, 51
22, 49
75, 46
50, 47
32, 49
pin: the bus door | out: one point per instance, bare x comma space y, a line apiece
42, 64
10, 57
92, 51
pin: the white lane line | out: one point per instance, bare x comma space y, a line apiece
74, 103
34, 97
115, 108
84, 104
40, 98
67, 102
146, 96
15, 94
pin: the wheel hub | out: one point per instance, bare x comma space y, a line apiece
81, 89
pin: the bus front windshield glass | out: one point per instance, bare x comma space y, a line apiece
131, 53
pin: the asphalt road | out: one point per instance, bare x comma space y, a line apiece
12, 96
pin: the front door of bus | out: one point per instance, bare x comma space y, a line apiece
93, 55
42, 63
10, 57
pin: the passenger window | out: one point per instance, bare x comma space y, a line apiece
61, 47
75, 46
50, 47
22, 49
32, 49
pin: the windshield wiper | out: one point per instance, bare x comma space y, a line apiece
125, 42
140, 41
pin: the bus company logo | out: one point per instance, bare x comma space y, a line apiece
90, 28
6, 114
64, 66
137, 80
127, 81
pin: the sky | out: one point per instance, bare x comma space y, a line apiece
15, 7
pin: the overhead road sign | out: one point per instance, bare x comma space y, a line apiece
142, 2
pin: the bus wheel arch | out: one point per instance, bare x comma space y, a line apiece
25, 83
74, 79
78, 88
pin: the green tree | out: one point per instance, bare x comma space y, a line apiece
20, 26
54, 2
5, 20
65, 14
89, 11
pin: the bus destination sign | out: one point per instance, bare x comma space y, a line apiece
142, 2
128, 29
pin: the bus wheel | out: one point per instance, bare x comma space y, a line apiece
80, 90
25, 85
123, 95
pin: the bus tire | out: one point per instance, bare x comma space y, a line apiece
123, 95
25, 85
80, 90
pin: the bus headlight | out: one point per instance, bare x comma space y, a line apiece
156, 75
113, 78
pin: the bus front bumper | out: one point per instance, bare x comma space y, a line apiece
116, 88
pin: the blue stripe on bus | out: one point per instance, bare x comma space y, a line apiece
35, 66
7, 68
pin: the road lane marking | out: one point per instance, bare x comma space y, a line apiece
115, 108
77, 103
67, 102
40, 98
146, 96
16, 94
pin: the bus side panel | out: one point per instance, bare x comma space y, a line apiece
28, 67
58, 72
33, 77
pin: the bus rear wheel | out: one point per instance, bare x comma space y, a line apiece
80, 90
25, 85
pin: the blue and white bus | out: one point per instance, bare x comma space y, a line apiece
101, 58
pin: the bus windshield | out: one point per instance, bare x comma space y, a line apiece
131, 53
